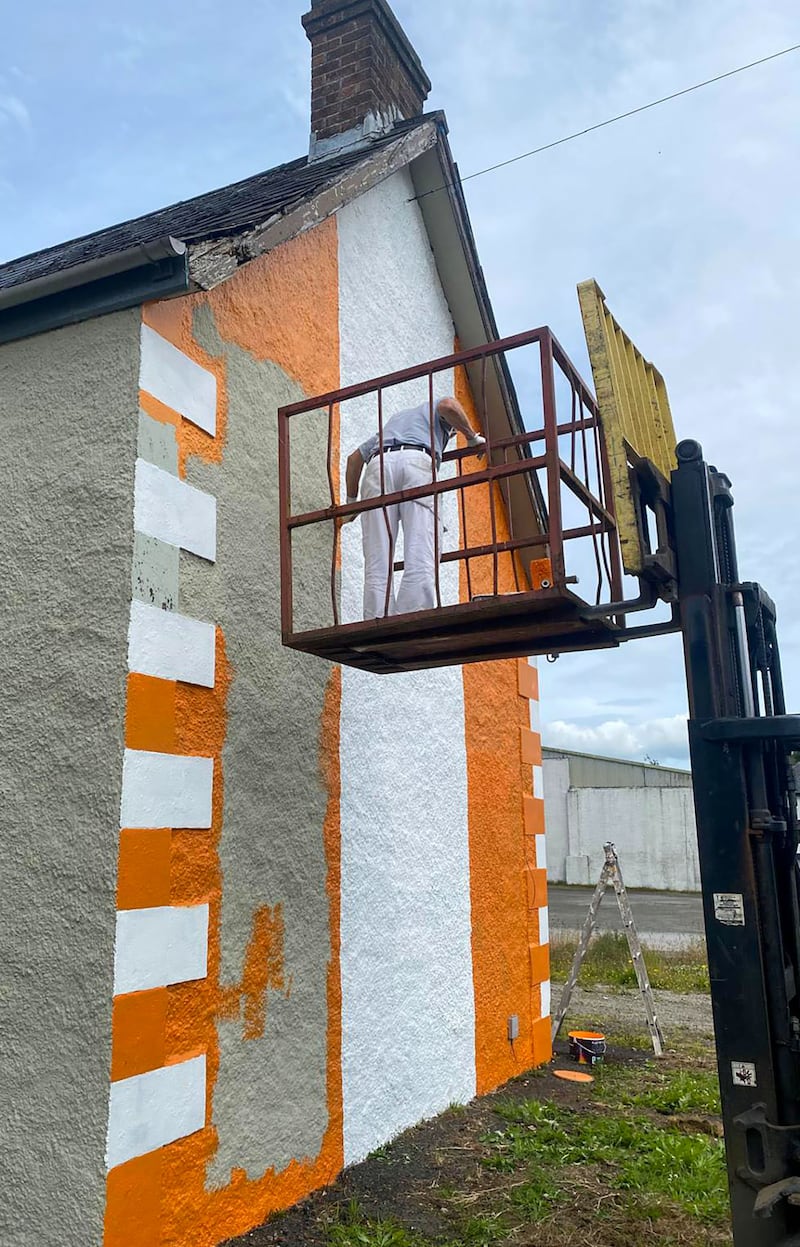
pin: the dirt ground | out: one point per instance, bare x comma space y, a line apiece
622, 1010
426, 1183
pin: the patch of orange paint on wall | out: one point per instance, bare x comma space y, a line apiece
497, 858
143, 873
150, 714
133, 1203
528, 680
138, 1031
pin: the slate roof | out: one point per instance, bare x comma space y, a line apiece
227, 211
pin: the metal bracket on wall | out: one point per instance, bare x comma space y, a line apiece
612, 874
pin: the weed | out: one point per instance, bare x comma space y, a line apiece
608, 962
352, 1229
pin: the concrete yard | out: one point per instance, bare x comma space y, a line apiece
662, 919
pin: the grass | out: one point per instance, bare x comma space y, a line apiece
608, 963
620, 1160
668, 1093
651, 1167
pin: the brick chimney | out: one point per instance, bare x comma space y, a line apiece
365, 75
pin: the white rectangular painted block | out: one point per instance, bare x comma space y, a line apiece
155, 947
545, 990
167, 508
150, 1110
178, 381
541, 852
544, 925
533, 706
166, 790
170, 646
538, 783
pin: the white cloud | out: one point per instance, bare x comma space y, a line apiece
664, 740
12, 109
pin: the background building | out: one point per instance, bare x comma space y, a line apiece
648, 812
266, 913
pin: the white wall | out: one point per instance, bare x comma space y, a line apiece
407, 995
653, 829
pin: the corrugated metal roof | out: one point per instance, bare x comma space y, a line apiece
215, 214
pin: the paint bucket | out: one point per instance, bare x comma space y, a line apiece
587, 1047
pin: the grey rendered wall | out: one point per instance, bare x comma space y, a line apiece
68, 403
270, 1103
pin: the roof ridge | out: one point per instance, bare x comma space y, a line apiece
224, 210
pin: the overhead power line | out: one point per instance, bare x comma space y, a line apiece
567, 138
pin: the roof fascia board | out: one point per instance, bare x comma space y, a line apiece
111, 293
140, 256
214, 261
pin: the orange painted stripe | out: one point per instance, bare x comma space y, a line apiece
493, 716
143, 872
531, 747
138, 1033
528, 680
533, 815
150, 714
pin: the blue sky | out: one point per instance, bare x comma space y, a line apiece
687, 215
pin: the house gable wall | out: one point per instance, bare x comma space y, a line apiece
69, 402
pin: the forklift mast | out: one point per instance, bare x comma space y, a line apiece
740, 739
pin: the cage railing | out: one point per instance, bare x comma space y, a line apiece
560, 461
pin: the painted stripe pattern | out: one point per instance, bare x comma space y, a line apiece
177, 381
150, 1110
167, 508
158, 946
536, 859
164, 790
170, 646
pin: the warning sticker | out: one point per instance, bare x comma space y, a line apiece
729, 908
744, 1074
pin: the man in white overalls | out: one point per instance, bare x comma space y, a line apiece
407, 463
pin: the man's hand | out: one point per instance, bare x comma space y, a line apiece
347, 519
477, 443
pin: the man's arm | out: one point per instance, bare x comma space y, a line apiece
458, 419
355, 466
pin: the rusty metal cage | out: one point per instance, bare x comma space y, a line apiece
528, 522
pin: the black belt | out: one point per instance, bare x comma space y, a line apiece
403, 446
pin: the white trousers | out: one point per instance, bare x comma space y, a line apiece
402, 469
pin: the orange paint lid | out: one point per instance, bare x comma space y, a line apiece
586, 1035
573, 1075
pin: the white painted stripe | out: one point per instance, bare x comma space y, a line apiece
167, 508
155, 947
545, 988
538, 783
176, 380
166, 790
535, 716
150, 1110
544, 925
533, 661
541, 852
170, 646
